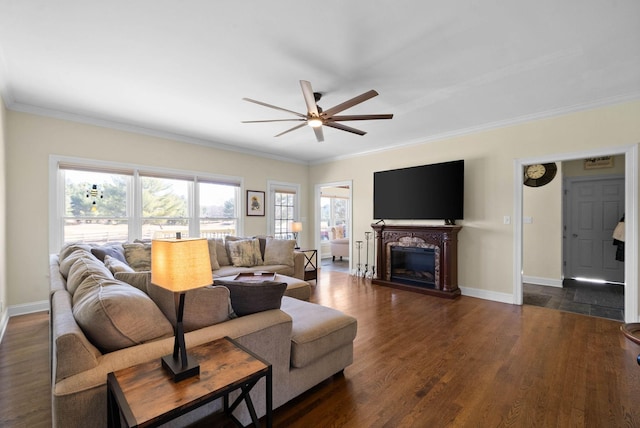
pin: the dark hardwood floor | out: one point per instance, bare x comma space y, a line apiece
419, 361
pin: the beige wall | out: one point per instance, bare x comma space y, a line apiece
32, 139
486, 250
542, 236
3, 215
486, 244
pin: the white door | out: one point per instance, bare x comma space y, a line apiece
595, 207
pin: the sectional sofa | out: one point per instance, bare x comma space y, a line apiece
103, 320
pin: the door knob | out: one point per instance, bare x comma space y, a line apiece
575, 235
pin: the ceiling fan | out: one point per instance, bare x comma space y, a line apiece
316, 117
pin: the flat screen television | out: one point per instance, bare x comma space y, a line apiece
427, 192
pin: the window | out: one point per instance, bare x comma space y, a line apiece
113, 203
95, 206
283, 209
334, 211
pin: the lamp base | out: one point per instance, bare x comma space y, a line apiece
178, 372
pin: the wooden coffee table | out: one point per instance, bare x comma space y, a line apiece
146, 396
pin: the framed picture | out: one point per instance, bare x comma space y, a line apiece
255, 203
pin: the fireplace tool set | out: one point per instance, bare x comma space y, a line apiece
366, 272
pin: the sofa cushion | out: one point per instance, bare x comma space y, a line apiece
213, 254
116, 265
279, 252
245, 253
114, 250
317, 330
83, 267
68, 248
66, 263
251, 297
138, 255
202, 307
115, 315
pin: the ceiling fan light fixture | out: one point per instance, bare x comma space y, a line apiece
314, 122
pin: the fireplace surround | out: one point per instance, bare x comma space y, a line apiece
437, 272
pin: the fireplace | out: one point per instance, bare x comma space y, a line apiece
413, 265
418, 258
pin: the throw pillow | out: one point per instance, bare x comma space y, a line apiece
202, 307
138, 256
115, 250
221, 252
140, 280
116, 265
245, 253
279, 252
251, 297
213, 254
115, 315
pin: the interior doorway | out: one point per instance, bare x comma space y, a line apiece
334, 225
630, 286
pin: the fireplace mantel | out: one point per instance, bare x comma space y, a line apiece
443, 237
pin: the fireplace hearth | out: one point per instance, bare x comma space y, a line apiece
418, 258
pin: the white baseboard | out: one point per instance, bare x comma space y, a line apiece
487, 295
549, 282
28, 308
4, 320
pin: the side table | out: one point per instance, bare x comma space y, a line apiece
310, 264
146, 396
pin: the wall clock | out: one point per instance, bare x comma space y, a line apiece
539, 174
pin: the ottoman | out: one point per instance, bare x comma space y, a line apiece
296, 288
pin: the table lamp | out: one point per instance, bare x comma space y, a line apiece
296, 227
180, 265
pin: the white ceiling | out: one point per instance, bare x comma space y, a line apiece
181, 68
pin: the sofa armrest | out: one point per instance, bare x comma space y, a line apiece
298, 264
72, 352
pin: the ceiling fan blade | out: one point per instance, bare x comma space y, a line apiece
350, 103
292, 129
344, 128
359, 117
319, 134
309, 98
272, 120
275, 107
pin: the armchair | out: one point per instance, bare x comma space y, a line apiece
339, 244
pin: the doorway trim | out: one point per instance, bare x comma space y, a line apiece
631, 220
317, 216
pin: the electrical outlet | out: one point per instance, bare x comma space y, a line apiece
506, 219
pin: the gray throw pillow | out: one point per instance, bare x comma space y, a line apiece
279, 252
116, 265
245, 253
251, 297
202, 307
138, 256
213, 254
115, 250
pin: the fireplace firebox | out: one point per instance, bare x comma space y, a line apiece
418, 258
413, 265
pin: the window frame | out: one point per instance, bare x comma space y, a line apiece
281, 187
134, 192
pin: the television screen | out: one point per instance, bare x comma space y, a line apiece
427, 192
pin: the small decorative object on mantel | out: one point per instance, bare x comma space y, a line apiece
539, 174
599, 162
255, 203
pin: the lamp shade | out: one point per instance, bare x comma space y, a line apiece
180, 264
296, 226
